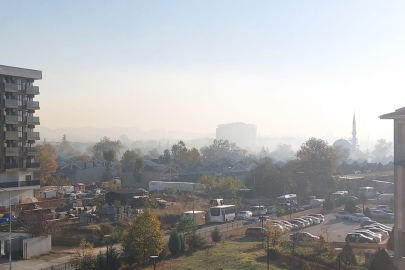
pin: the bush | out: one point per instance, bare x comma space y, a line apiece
350, 207
182, 244
347, 255
114, 262
381, 261
216, 235
195, 241
174, 243
274, 253
329, 205
390, 243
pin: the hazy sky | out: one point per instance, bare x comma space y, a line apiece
290, 67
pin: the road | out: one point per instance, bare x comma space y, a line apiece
336, 229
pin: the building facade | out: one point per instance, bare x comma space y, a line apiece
244, 135
17, 151
399, 179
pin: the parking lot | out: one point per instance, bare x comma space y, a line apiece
336, 229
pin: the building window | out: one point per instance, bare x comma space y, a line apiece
28, 178
20, 131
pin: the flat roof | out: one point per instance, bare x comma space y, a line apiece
21, 72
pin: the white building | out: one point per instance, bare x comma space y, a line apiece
244, 135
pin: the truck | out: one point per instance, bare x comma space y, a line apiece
199, 217
184, 186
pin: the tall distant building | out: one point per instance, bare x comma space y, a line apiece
17, 150
351, 144
244, 135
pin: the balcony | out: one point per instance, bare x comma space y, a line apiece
11, 119
34, 90
11, 135
11, 103
12, 87
32, 151
11, 167
32, 120
12, 151
34, 105
32, 135
32, 166
29, 183
9, 185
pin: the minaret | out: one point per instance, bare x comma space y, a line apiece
354, 133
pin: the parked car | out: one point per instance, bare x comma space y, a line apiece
342, 215
384, 226
377, 213
389, 216
380, 207
280, 227
303, 236
298, 223
367, 222
358, 238
254, 231
384, 234
315, 220
244, 215
271, 209
359, 209
311, 222
251, 221
353, 198
378, 226
358, 217
376, 236
319, 216
293, 226
306, 222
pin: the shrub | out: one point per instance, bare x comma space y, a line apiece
174, 243
390, 243
195, 241
381, 261
216, 235
182, 244
347, 255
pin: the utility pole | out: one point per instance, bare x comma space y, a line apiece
193, 204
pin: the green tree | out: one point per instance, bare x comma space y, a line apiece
220, 149
154, 153
145, 234
367, 212
228, 186
381, 261
283, 152
109, 156
272, 235
321, 247
193, 156
132, 162
47, 161
195, 241
56, 180
209, 181
106, 144
342, 153
114, 262
65, 148
347, 256
318, 164
182, 244
185, 226
179, 152
216, 235
81, 158
382, 148
350, 207
174, 243
83, 258
166, 157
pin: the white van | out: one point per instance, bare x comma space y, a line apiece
258, 210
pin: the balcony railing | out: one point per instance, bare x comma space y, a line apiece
12, 150
10, 165
29, 183
10, 134
8, 184
32, 165
33, 119
32, 89
32, 150
11, 118
11, 102
12, 86
33, 104
33, 135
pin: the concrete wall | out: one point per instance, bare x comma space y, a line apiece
36, 246
17, 196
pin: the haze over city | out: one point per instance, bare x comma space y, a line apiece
189, 66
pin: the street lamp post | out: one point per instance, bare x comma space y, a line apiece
9, 231
106, 237
154, 257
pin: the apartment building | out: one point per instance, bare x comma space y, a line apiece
17, 150
244, 135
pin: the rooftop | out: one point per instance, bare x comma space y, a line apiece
21, 72
399, 113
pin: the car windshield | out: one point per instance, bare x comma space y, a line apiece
242, 212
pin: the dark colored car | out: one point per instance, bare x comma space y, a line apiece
254, 231
358, 238
251, 221
303, 236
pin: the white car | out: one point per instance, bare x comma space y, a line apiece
378, 226
311, 222
288, 224
376, 236
318, 216
358, 217
298, 223
244, 215
382, 225
384, 234
306, 222
315, 220
278, 226
377, 213
342, 215
380, 207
